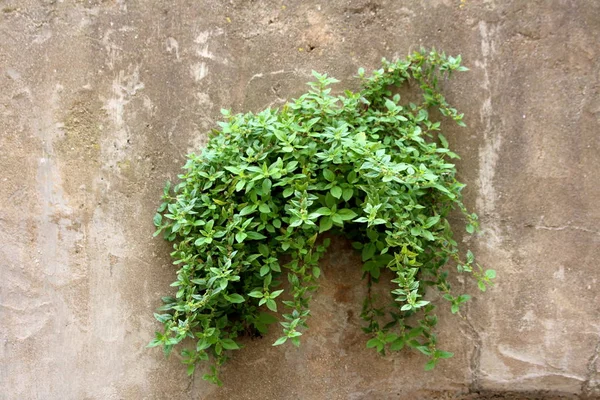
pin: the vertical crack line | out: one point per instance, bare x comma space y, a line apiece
586, 387
475, 358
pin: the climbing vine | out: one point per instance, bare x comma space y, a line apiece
255, 210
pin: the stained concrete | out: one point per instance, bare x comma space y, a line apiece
101, 100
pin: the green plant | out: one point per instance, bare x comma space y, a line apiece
251, 210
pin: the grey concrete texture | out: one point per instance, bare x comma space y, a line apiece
101, 100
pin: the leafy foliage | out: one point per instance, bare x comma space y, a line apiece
250, 212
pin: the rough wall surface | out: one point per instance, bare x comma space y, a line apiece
100, 101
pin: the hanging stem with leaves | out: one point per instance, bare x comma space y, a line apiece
266, 188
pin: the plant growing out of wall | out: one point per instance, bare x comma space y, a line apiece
251, 210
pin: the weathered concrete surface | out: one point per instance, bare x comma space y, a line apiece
101, 100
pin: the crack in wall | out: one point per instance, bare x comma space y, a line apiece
475, 359
590, 389
562, 228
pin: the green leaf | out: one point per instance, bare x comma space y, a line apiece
325, 224
190, 369
255, 236
162, 317
390, 105
330, 176
470, 228
490, 274
431, 221
336, 218
154, 343
264, 208
368, 251
266, 318
280, 341
157, 219
265, 269
346, 214
397, 345
443, 354
229, 344
347, 194
202, 344
288, 192
323, 211
470, 257
240, 236
316, 271
266, 186
430, 365
336, 192
272, 305
256, 294
200, 241
373, 343
248, 209
443, 140
264, 250
235, 298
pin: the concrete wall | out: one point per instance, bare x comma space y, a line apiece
100, 100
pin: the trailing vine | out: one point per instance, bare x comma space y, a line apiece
252, 211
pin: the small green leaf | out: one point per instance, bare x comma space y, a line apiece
202, 344
430, 365
264, 250
272, 305
330, 176
190, 369
240, 236
157, 219
256, 294
346, 214
248, 210
316, 271
323, 211
255, 236
229, 344
443, 140
368, 251
347, 194
280, 341
336, 192
266, 186
390, 105
397, 345
265, 269
325, 224
490, 274
443, 354
235, 298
